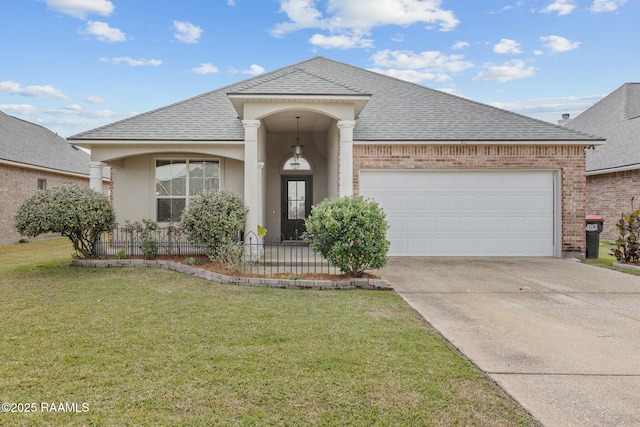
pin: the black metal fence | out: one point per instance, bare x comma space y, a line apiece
269, 256
276, 256
128, 241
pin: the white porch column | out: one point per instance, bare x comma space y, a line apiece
260, 193
346, 157
95, 176
251, 183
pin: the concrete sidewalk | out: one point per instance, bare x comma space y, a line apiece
562, 338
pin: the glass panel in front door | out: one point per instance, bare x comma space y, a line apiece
296, 200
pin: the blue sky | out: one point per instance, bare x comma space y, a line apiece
72, 65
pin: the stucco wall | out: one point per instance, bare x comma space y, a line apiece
134, 183
570, 160
610, 195
18, 184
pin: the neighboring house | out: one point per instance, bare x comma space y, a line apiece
455, 177
613, 169
33, 158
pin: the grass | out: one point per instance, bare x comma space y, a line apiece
152, 347
606, 260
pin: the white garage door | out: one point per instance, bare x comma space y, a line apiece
470, 213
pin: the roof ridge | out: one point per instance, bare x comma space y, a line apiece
332, 81
34, 124
422, 87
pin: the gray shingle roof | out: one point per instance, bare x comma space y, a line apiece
616, 117
397, 111
31, 144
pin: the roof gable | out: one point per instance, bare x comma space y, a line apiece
295, 81
616, 117
397, 111
30, 144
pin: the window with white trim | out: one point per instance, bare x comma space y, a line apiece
179, 180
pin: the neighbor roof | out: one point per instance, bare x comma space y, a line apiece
617, 118
30, 144
397, 111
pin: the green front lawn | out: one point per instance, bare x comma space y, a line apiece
606, 260
153, 347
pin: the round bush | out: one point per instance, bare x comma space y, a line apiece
77, 212
350, 232
213, 218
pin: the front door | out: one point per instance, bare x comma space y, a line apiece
296, 205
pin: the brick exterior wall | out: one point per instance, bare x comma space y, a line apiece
570, 160
16, 185
610, 195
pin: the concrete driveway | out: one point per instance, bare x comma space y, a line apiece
562, 338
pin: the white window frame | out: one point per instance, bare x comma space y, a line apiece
187, 159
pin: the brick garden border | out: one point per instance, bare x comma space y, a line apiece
345, 284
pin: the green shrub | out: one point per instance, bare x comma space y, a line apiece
628, 243
214, 219
77, 212
149, 241
192, 261
349, 232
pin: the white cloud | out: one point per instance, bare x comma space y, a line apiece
559, 44
91, 99
47, 91
507, 46
606, 5
231, 2
77, 110
431, 61
103, 32
205, 68
82, 8
460, 45
550, 109
25, 109
352, 16
414, 76
186, 32
510, 70
340, 41
132, 62
562, 7
253, 70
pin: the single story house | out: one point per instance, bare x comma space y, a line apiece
32, 158
454, 177
613, 169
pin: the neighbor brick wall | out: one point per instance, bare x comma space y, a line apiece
569, 159
610, 195
16, 185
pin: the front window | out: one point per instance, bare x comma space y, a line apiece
179, 180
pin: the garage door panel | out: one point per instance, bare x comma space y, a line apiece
468, 224
442, 202
444, 224
420, 203
493, 212
467, 202
420, 225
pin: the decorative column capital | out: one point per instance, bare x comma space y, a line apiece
251, 124
346, 124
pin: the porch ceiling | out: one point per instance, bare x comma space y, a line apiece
286, 122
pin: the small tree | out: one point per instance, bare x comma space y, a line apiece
77, 212
628, 242
214, 219
350, 232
